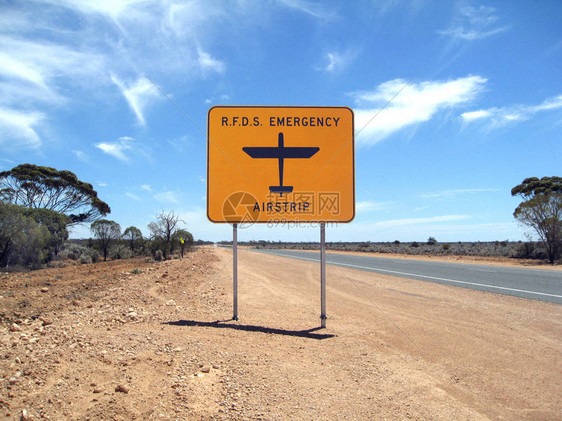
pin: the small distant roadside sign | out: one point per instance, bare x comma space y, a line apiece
280, 164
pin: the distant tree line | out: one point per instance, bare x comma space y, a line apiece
38, 205
167, 238
504, 248
541, 211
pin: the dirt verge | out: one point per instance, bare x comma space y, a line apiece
138, 340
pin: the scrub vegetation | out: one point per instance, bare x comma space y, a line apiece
512, 249
38, 206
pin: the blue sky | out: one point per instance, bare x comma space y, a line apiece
455, 102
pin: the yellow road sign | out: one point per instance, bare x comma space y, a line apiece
280, 163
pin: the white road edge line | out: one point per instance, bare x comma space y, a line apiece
420, 276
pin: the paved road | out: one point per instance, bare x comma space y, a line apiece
535, 284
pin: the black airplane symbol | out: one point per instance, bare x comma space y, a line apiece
281, 153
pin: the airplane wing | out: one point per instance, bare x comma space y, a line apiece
263, 152
299, 152
284, 152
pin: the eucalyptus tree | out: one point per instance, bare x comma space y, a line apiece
39, 187
541, 210
106, 232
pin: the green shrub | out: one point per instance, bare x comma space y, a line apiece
431, 241
121, 252
94, 255
74, 251
525, 250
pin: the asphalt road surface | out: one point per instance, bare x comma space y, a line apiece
534, 284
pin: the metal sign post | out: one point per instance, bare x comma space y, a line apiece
235, 269
323, 316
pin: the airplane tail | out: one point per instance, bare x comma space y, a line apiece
281, 189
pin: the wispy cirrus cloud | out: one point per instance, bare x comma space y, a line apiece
30, 83
122, 149
139, 94
453, 193
368, 206
109, 39
39, 69
472, 23
20, 126
167, 197
418, 221
81, 155
208, 63
316, 9
396, 104
335, 61
500, 116
132, 196
111, 8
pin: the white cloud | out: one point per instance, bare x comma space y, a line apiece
418, 221
167, 197
549, 104
476, 115
146, 187
396, 104
180, 144
17, 68
138, 94
33, 70
194, 19
315, 9
34, 74
110, 8
336, 61
120, 150
499, 116
200, 227
206, 62
473, 23
20, 126
453, 193
132, 196
368, 206
80, 155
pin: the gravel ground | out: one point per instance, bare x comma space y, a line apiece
134, 339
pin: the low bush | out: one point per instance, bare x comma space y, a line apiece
79, 253
121, 252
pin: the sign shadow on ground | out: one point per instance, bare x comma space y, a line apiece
224, 324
